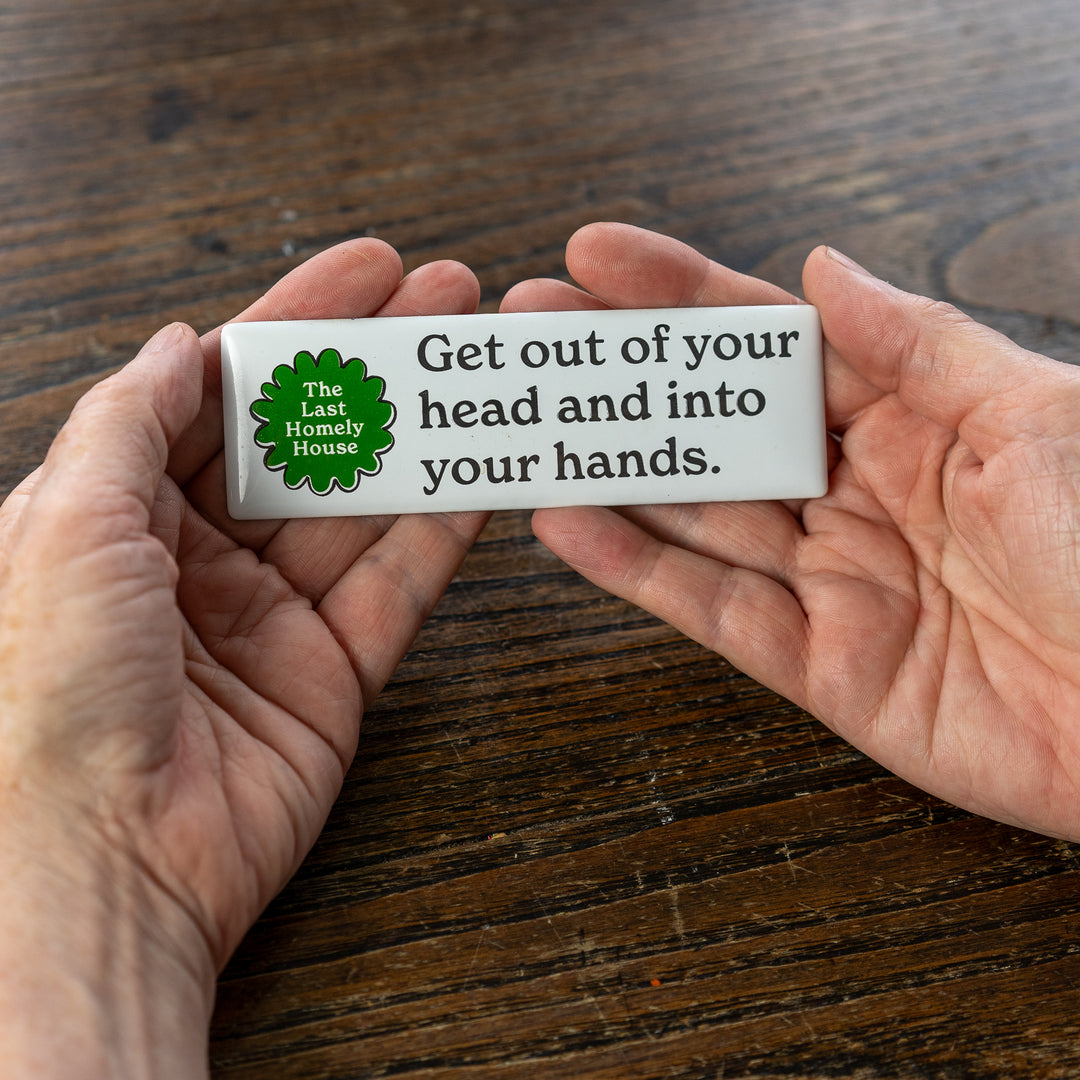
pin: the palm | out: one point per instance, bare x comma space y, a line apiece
937, 644
926, 607
280, 656
267, 726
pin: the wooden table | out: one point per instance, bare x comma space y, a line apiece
574, 844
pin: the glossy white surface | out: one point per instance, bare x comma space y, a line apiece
527, 410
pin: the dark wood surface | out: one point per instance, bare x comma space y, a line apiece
573, 843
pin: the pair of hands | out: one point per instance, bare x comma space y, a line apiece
181, 693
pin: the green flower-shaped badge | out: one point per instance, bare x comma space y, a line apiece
324, 421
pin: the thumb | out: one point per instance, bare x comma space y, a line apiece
105, 465
939, 362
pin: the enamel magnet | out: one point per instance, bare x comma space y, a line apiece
517, 411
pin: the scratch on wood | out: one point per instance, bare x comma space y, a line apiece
676, 915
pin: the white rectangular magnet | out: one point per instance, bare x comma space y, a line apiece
517, 411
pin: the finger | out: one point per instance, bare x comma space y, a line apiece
350, 280
379, 605
628, 267
11, 512
941, 364
444, 287
758, 536
312, 555
105, 466
747, 617
548, 294
347, 281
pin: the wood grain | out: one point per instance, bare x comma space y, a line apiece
573, 843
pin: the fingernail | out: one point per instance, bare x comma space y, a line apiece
847, 263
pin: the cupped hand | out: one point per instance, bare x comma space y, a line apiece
181, 693
927, 608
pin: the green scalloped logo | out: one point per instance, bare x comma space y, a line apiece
324, 422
